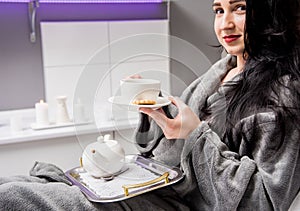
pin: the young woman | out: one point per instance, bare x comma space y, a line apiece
234, 131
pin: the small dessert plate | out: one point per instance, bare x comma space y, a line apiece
125, 104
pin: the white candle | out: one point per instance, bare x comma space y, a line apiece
41, 113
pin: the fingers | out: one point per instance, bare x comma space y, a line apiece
172, 99
180, 126
157, 115
177, 102
135, 76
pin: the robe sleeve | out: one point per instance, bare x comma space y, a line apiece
263, 175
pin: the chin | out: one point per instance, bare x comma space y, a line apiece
235, 52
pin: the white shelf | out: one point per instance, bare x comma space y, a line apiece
28, 134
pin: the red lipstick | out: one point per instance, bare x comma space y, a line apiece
231, 38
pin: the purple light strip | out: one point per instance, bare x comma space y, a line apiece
85, 1
12, 1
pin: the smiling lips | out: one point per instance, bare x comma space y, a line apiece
231, 38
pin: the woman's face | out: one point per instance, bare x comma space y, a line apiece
229, 24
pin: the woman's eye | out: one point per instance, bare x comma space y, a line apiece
241, 8
218, 11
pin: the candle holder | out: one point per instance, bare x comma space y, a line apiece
62, 115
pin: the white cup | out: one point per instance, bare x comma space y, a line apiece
139, 89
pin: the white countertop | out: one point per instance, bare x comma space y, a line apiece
7, 136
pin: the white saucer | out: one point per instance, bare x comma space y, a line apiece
123, 102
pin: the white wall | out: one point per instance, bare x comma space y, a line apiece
65, 152
191, 22
19, 158
88, 59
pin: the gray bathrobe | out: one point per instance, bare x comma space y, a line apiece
264, 176
261, 173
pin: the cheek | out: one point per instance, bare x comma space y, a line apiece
241, 23
217, 30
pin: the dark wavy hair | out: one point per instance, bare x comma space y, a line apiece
272, 32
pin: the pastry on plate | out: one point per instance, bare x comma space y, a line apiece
144, 102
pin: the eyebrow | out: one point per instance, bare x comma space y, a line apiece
230, 2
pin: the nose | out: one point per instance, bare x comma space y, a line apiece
227, 21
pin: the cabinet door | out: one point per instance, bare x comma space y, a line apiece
139, 47
76, 61
89, 84
138, 40
154, 69
74, 43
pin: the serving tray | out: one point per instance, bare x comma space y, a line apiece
139, 175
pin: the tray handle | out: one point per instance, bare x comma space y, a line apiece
80, 162
151, 182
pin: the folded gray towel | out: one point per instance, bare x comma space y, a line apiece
50, 172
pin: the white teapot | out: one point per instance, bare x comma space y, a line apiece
104, 157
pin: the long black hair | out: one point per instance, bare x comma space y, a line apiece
272, 52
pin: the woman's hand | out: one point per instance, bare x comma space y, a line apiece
181, 126
135, 76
